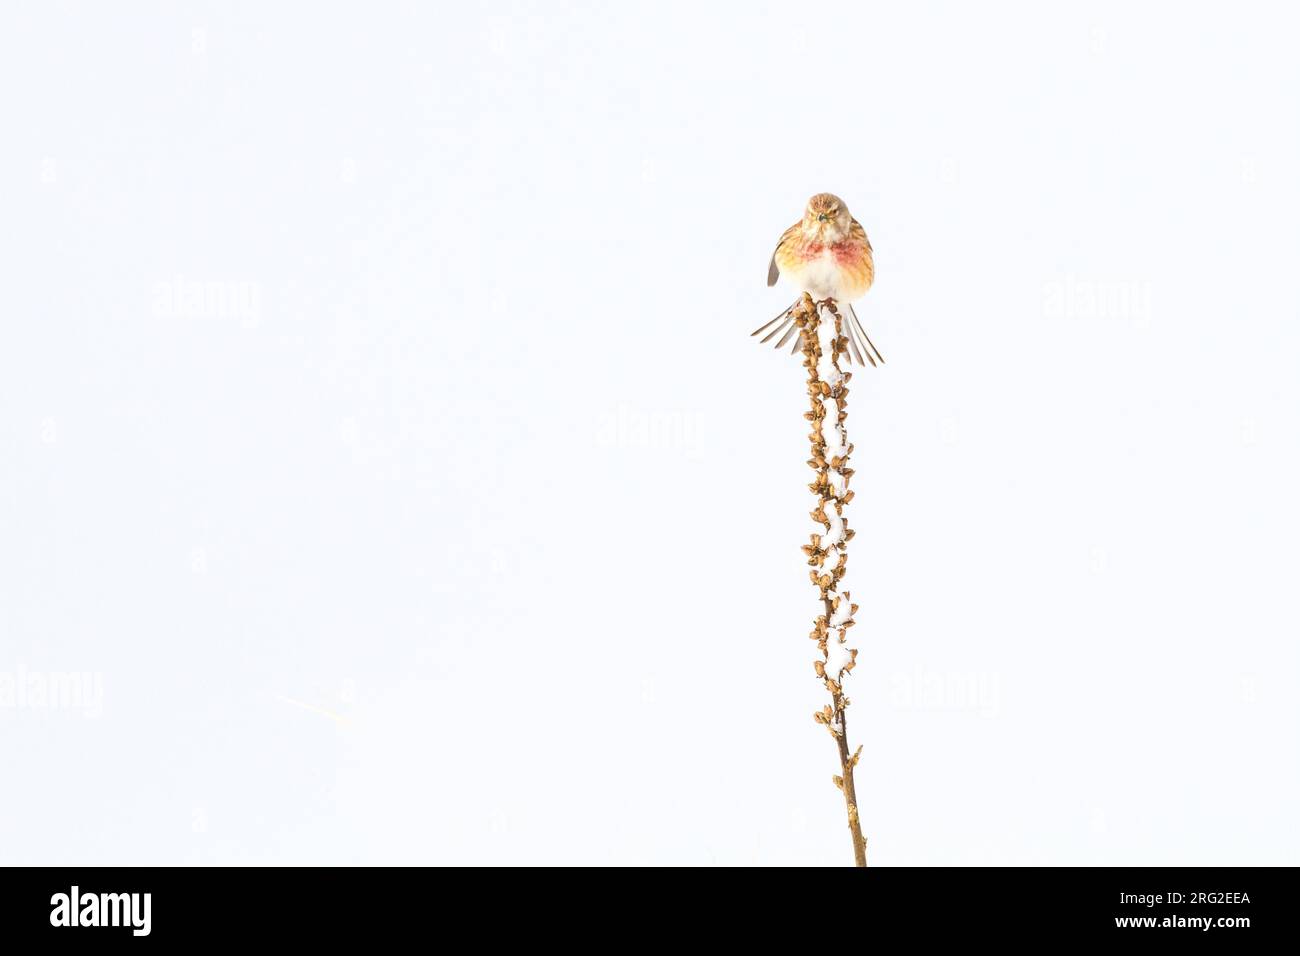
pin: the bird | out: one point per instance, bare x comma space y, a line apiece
826, 254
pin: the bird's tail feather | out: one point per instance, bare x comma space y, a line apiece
783, 325
785, 313
853, 344
863, 332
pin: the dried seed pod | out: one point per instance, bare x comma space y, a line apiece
827, 561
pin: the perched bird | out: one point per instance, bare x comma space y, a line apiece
826, 254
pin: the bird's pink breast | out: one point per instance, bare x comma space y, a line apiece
847, 253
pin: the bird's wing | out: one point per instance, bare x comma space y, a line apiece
858, 234
773, 270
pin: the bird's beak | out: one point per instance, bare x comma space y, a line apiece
822, 217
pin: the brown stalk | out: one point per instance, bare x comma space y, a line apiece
827, 556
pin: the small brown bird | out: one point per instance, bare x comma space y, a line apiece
826, 254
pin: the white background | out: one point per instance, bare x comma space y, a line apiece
459, 520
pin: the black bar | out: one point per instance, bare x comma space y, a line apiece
330, 907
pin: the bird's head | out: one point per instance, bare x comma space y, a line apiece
826, 219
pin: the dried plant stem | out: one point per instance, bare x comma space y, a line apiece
847, 763
828, 552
